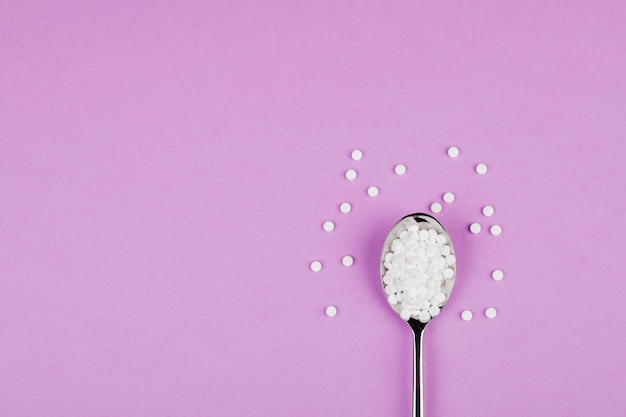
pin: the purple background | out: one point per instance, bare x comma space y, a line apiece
165, 169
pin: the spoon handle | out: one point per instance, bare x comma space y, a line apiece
418, 391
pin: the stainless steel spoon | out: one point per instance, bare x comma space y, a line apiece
429, 222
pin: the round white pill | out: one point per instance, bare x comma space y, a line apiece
475, 228
400, 169
495, 230
347, 260
372, 191
439, 297
466, 315
491, 312
481, 169
488, 211
328, 226
448, 197
423, 316
350, 174
316, 266
453, 151
331, 311
435, 207
345, 207
497, 275
356, 155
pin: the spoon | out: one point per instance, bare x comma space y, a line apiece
410, 227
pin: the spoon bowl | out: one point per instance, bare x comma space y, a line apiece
418, 270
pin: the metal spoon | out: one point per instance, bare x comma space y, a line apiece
423, 221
